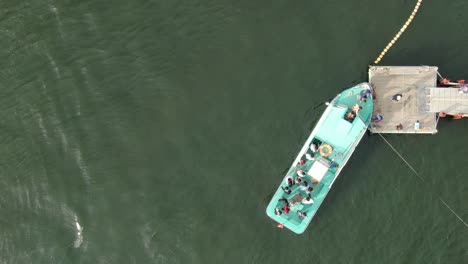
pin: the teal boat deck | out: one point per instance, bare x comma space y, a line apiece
333, 130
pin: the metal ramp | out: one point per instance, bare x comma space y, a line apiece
448, 100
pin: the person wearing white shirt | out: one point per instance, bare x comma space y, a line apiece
305, 186
301, 173
307, 200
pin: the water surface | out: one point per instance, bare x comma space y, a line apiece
163, 128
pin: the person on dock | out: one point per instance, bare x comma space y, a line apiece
399, 127
377, 118
463, 89
304, 186
397, 97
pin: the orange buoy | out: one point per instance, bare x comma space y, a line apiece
457, 116
280, 226
461, 81
444, 81
442, 114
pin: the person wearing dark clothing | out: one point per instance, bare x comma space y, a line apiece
302, 214
298, 180
377, 118
284, 200
301, 173
286, 189
290, 182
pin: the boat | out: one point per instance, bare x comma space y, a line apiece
321, 159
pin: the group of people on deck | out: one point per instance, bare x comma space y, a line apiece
300, 182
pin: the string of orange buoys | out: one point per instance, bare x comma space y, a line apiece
402, 29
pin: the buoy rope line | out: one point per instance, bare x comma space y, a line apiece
422, 179
402, 29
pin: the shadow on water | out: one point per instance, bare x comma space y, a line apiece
268, 198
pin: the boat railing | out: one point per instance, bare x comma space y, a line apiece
341, 106
348, 154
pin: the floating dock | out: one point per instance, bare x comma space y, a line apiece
412, 82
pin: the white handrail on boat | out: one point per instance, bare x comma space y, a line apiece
348, 155
312, 134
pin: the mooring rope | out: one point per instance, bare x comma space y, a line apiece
397, 36
422, 179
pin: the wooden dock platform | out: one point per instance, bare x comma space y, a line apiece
411, 82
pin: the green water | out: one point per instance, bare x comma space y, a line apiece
164, 127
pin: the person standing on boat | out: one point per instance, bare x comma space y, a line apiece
286, 189
278, 211
364, 94
313, 147
284, 200
301, 173
286, 205
309, 190
298, 180
289, 181
301, 214
305, 185
307, 200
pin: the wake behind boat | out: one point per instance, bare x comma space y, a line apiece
323, 156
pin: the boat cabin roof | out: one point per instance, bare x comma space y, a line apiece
340, 135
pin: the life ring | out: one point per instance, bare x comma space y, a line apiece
325, 150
